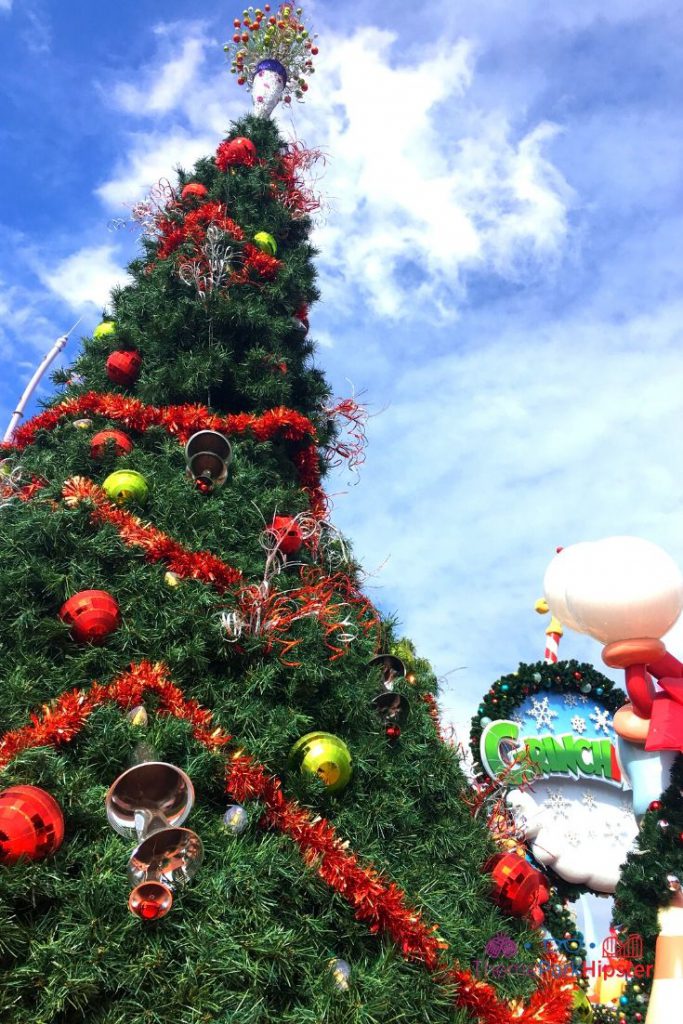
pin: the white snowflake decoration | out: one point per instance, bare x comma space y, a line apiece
558, 805
542, 713
615, 831
582, 697
601, 718
570, 700
578, 724
588, 800
573, 838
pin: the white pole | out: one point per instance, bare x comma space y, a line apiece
33, 383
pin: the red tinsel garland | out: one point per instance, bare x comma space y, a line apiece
320, 596
379, 903
185, 420
430, 701
198, 565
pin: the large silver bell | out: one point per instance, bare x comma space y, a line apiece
208, 454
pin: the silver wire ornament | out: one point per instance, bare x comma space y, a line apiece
212, 267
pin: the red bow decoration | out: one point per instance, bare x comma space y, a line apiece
665, 707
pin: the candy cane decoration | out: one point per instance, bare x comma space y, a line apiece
553, 634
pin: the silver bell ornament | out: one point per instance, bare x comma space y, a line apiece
390, 668
392, 708
208, 455
149, 802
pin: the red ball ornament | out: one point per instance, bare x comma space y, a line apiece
393, 732
122, 444
656, 805
236, 152
31, 824
287, 533
577, 675
194, 188
518, 888
92, 616
123, 367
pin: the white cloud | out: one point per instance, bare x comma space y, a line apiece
22, 321
5, 5
86, 277
164, 87
150, 157
424, 186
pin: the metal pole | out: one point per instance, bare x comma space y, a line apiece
34, 381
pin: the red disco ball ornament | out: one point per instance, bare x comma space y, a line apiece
31, 824
236, 152
194, 188
92, 616
518, 888
123, 366
287, 534
122, 444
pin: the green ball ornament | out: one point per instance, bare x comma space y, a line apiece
265, 242
324, 755
583, 1011
105, 330
126, 487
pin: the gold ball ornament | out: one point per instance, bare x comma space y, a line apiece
583, 1011
324, 755
341, 972
83, 424
170, 579
126, 487
105, 330
265, 242
137, 716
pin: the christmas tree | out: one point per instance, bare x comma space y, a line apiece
225, 795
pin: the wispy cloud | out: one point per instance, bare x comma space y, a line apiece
5, 5
37, 36
24, 325
85, 278
151, 156
425, 185
162, 88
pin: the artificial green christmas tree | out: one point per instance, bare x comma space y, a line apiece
175, 601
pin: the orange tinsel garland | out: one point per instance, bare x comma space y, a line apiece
199, 565
185, 420
376, 901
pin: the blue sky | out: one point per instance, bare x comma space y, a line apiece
500, 267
